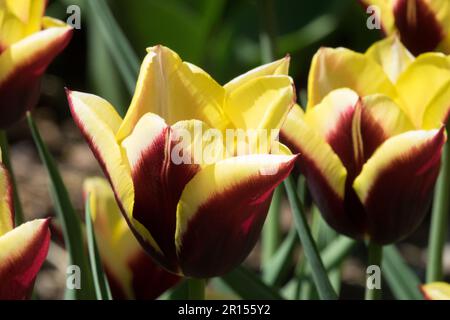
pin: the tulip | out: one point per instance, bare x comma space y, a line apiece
22, 249
369, 170
28, 44
131, 273
436, 291
196, 218
419, 86
423, 25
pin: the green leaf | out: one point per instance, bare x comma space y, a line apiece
248, 286
270, 236
119, 47
101, 284
401, 279
278, 267
320, 276
179, 292
70, 222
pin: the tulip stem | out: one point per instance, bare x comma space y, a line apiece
196, 289
18, 212
319, 273
373, 280
439, 221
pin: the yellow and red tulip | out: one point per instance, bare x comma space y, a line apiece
436, 291
423, 25
28, 44
419, 86
198, 219
370, 172
131, 273
22, 249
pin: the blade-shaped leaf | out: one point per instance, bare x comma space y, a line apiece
70, 222
101, 284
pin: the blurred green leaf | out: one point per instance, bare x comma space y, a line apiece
248, 286
71, 224
278, 267
101, 285
401, 279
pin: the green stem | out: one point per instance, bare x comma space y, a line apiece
271, 232
196, 289
18, 212
375, 253
439, 221
267, 36
320, 276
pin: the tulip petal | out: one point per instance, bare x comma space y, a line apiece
99, 122
396, 184
162, 163
174, 90
342, 68
436, 291
279, 67
6, 202
131, 272
391, 55
418, 26
422, 81
324, 171
24, 249
225, 219
21, 66
19, 19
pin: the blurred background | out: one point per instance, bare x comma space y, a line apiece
221, 36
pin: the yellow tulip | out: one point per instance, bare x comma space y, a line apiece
23, 249
28, 44
199, 217
423, 25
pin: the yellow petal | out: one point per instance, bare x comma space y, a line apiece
436, 291
387, 114
342, 68
6, 209
115, 241
99, 122
19, 19
304, 139
420, 83
261, 105
391, 55
174, 90
36, 51
279, 67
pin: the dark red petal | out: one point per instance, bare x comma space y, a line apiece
158, 184
402, 193
418, 27
225, 229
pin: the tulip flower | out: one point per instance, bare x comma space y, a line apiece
22, 249
436, 291
28, 44
131, 273
419, 86
423, 25
199, 217
369, 170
